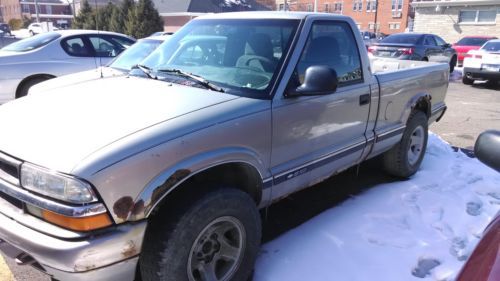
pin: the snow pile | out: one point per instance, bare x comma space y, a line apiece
420, 229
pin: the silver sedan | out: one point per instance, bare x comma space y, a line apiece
48, 55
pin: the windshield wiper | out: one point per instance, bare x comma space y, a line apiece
201, 81
147, 70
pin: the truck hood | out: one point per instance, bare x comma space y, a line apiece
59, 128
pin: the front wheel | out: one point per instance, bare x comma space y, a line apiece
216, 237
404, 159
467, 81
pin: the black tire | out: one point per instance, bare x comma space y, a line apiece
467, 81
23, 90
425, 59
32, 33
453, 63
399, 161
174, 234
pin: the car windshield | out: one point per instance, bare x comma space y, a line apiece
241, 56
135, 54
491, 47
472, 41
32, 43
402, 38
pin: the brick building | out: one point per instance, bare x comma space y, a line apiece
454, 19
391, 16
48, 10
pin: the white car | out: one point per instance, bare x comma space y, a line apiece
41, 27
483, 64
120, 66
35, 59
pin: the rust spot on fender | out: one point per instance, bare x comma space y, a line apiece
123, 206
129, 250
169, 183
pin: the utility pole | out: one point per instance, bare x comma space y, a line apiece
286, 6
36, 11
376, 13
315, 6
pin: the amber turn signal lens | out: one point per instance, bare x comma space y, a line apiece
78, 224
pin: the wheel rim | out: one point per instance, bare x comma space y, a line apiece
416, 145
217, 252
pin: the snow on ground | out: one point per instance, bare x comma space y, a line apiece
21, 33
420, 229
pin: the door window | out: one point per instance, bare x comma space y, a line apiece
429, 41
76, 47
104, 46
332, 44
439, 40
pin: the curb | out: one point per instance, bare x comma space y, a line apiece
5, 274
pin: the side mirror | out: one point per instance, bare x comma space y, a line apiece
318, 80
487, 149
447, 45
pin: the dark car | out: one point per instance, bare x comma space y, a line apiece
415, 46
5, 28
484, 263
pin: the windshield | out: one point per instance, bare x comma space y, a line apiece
491, 47
135, 54
32, 43
402, 38
242, 56
472, 41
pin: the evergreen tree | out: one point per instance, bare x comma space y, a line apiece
143, 20
104, 16
119, 17
85, 18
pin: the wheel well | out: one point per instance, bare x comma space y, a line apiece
424, 105
29, 78
238, 175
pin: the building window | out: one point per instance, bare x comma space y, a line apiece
394, 25
281, 7
327, 8
358, 25
309, 7
371, 5
357, 5
48, 9
337, 7
26, 8
397, 5
371, 26
477, 16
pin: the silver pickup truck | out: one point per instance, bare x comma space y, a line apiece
161, 174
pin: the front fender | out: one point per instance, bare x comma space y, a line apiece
174, 176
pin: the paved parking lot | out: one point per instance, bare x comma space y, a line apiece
471, 110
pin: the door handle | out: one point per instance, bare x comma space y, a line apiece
364, 99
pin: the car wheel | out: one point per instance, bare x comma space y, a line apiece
467, 81
32, 33
404, 159
215, 237
453, 63
23, 90
425, 59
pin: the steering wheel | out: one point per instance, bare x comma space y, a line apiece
263, 60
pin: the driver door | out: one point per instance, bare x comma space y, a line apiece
314, 136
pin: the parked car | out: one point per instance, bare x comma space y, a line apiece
161, 173
483, 64
484, 262
415, 46
41, 27
120, 66
5, 28
48, 55
468, 43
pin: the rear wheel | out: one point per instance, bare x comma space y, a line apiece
24, 88
467, 81
425, 59
216, 237
404, 159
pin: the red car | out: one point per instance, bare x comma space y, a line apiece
469, 43
484, 263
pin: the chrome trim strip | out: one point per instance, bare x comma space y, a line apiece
70, 211
390, 133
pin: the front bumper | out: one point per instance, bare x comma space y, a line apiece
481, 74
109, 254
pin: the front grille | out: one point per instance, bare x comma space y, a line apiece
15, 202
9, 169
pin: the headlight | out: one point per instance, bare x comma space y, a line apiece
56, 185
